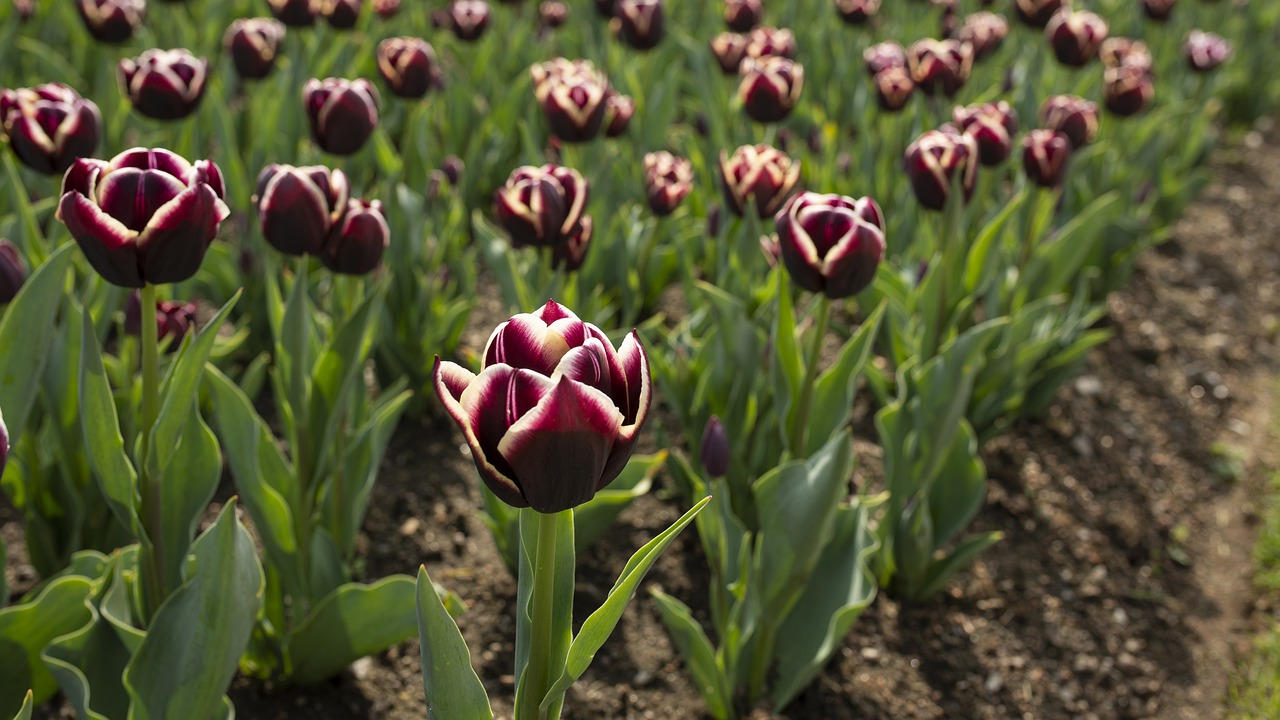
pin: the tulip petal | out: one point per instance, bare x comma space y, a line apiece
294, 213
133, 196
82, 176
173, 244
635, 364
108, 245
452, 381
851, 265
588, 364
524, 341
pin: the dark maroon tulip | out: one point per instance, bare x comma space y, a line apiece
715, 453
857, 12
358, 240
295, 13
1118, 51
1044, 156
985, 31
111, 21
1205, 51
1075, 36
894, 88
541, 206
298, 207
147, 216
940, 66
667, 180
831, 244
553, 13
935, 159
771, 41
1158, 10
13, 271
1037, 13
555, 413
342, 113
452, 168
729, 49
573, 97
618, 111
253, 45
164, 84
341, 14
639, 23
570, 254
409, 66
49, 126
1127, 90
742, 15
468, 19
770, 87
758, 174
174, 320
882, 56
386, 9
1073, 116
604, 8
992, 126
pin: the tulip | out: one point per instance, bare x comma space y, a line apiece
341, 14
729, 49
758, 173
452, 168
573, 97
883, 56
555, 412
358, 240
831, 244
553, 13
618, 111
49, 126
24, 10
468, 19
386, 9
4, 445
1158, 10
985, 31
173, 319
940, 65
342, 113
1037, 13
770, 41
857, 12
295, 13
1044, 157
298, 207
935, 159
13, 271
1075, 36
111, 21
253, 45
667, 180
715, 453
1205, 51
1127, 90
408, 65
894, 88
570, 254
742, 15
164, 84
1118, 51
147, 216
639, 23
541, 206
605, 8
1072, 116
992, 126
770, 87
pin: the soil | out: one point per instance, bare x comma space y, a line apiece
1122, 588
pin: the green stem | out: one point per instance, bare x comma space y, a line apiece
537, 673
761, 657
155, 583
801, 424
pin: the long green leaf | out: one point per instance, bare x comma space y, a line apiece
26, 333
24, 712
698, 654
26, 629
452, 688
105, 446
353, 621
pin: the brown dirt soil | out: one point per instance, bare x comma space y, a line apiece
1122, 589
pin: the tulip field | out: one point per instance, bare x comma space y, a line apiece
633, 358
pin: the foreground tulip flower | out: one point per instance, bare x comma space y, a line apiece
831, 244
993, 126
164, 84
174, 320
342, 113
639, 23
147, 216
1127, 90
985, 31
1158, 10
1044, 157
408, 65
883, 56
298, 207
111, 21
358, 240
894, 88
935, 159
1118, 51
742, 15
555, 412
49, 126
857, 12
758, 174
341, 14
253, 45
573, 96
770, 87
1037, 13
295, 13
940, 65
1205, 51
468, 19
13, 271
1075, 36
541, 206
667, 180
715, 453
1073, 116
729, 49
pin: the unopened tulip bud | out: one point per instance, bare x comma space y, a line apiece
639, 23
993, 126
713, 221
1044, 157
111, 21
770, 87
667, 180
759, 175
883, 56
358, 240
940, 66
729, 49
298, 207
24, 10
742, 15
1075, 36
409, 66
831, 244
1158, 10
164, 84
468, 19
894, 88
1037, 13
174, 320
934, 159
295, 13
1073, 116
857, 12
341, 14
1205, 51
49, 126
342, 113
1127, 90
985, 31
618, 111
715, 449
253, 45
452, 168
13, 271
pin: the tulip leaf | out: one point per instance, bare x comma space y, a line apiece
31, 240
983, 264
353, 621
186, 487
834, 389
28, 706
698, 654
600, 624
213, 612
347, 502
789, 369
101, 426
961, 557
26, 333
594, 517
26, 629
452, 688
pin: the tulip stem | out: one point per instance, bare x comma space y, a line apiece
538, 672
152, 489
801, 424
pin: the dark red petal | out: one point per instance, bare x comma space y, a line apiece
109, 246
174, 242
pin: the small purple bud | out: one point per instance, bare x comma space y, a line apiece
715, 449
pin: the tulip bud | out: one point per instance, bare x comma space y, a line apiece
164, 84
386, 9
468, 19
298, 207
1118, 51
570, 254
147, 216
358, 240
1037, 13
408, 65
940, 65
992, 126
831, 244
770, 87
13, 271
759, 174
985, 31
1075, 36
667, 180
1158, 10
715, 449
934, 159
253, 45
742, 15
857, 12
342, 113
49, 126
729, 49
1044, 157
883, 56
173, 320
341, 14
1205, 51
24, 10
541, 206
639, 23
295, 13
713, 221
573, 97
894, 88
553, 13
770, 41
1072, 116
618, 111
111, 21
452, 168
1127, 90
